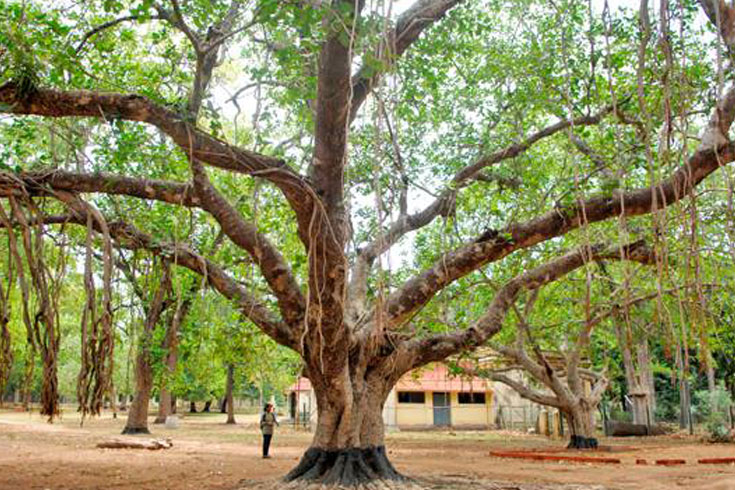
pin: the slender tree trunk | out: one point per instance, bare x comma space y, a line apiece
229, 396
171, 344
137, 422
207, 406
684, 402
223, 404
113, 401
192, 407
646, 376
711, 380
164, 407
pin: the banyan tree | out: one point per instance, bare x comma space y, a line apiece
319, 137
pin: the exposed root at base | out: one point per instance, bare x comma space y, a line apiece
580, 442
135, 430
347, 467
453, 483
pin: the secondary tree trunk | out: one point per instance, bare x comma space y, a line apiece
192, 407
171, 344
164, 406
684, 404
207, 406
644, 365
638, 379
581, 426
137, 422
348, 447
228, 396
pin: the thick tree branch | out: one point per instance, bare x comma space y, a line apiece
526, 392
271, 263
437, 347
46, 182
129, 237
494, 245
409, 26
722, 17
194, 142
444, 203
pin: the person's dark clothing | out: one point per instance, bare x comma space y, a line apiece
266, 444
267, 424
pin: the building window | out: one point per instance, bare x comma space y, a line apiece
411, 397
468, 398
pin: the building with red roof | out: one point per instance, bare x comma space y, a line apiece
432, 397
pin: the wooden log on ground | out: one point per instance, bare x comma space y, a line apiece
151, 444
625, 429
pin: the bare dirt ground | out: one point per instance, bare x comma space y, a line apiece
208, 454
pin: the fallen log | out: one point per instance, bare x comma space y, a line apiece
625, 429
151, 444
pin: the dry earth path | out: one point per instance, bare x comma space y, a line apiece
207, 454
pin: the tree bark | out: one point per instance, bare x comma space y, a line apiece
580, 419
137, 422
684, 402
644, 366
228, 396
348, 447
192, 407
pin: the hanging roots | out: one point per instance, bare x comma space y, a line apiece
97, 346
43, 331
6, 349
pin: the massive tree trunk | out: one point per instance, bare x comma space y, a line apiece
581, 421
228, 396
348, 447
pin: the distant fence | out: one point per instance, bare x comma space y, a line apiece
521, 418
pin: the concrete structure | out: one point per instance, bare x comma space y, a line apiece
431, 397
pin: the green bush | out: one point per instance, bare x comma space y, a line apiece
711, 408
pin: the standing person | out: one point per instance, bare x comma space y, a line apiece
267, 423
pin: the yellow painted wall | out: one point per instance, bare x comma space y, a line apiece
416, 414
470, 413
